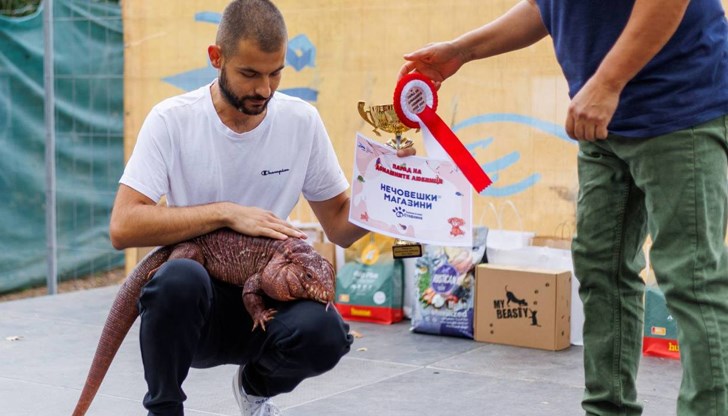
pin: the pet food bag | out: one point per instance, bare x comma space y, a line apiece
369, 285
660, 329
445, 288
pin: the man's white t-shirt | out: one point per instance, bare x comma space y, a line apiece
185, 152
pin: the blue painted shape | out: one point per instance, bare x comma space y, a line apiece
512, 189
482, 143
493, 168
208, 17
502, 162
301, 52
547, 127
307, 94
194, 79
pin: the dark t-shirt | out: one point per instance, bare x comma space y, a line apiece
685, 84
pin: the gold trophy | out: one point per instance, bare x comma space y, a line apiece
384, 118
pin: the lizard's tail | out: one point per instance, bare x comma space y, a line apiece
121, 317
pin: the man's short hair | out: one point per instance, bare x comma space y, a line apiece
258, 20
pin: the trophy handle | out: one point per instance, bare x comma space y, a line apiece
367, 116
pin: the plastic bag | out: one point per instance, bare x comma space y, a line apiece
660, 329
369, 285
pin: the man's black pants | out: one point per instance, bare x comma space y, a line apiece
190, 320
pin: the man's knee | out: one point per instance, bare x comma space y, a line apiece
319, 337
178, 284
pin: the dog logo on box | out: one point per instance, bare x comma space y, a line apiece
514, 307
511, 297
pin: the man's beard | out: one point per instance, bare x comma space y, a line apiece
239, 102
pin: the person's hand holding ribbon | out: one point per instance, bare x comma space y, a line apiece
415, 101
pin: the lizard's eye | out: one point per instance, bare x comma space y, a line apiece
309, 276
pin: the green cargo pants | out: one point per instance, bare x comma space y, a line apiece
674, 187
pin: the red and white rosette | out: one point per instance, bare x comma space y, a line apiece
415, 101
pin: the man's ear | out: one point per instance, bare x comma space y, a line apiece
215, 54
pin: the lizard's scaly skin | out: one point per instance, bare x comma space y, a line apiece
281, 269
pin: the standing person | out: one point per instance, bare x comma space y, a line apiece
237, 154
648, 82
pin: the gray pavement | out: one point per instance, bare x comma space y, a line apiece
390, 371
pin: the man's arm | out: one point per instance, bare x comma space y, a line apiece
521, 26
650, 26
136, 221
333, 214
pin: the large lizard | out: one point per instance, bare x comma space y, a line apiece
281, 269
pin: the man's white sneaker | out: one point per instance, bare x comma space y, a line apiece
252, 405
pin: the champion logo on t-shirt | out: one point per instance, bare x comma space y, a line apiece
274, 172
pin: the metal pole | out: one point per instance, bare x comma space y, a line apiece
50, 149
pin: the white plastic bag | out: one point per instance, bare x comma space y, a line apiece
501, 241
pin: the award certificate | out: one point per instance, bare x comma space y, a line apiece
412, 198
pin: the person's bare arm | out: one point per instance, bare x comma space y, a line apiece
333, 215
521, 26
136, 221
650, 26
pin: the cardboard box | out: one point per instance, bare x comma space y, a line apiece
523, 307
553, 242
313, 231
317, 239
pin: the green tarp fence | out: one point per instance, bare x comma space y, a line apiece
89, 79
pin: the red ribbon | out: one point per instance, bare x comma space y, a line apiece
457, 151
437, 128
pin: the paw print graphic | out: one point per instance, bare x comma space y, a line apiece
398, 211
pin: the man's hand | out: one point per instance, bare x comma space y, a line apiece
437, 61
410, 151
137, 221
591, 110
258, 222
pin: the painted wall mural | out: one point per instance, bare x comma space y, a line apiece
494, 168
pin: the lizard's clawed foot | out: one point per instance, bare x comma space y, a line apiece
262, 317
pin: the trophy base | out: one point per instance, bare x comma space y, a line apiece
403, 143
405, 249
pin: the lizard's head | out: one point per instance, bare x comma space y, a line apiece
299, 272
